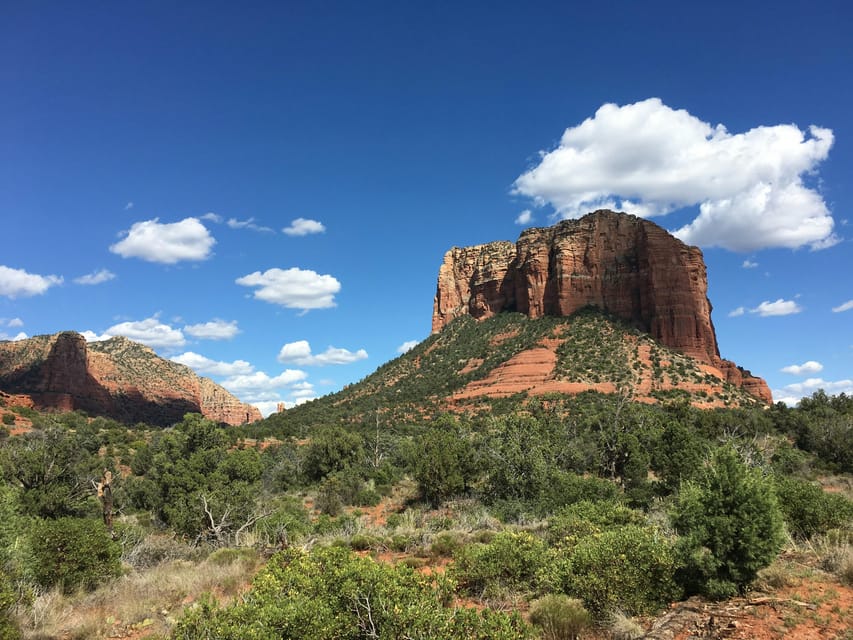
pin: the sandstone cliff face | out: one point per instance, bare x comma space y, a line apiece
627, 266
116, 378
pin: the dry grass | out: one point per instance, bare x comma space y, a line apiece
150, 599
623, 627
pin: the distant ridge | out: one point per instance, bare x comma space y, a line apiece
115, 378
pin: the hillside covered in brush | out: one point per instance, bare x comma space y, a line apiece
473, 367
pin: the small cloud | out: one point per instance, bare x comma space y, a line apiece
16, 338
734, 313
299, 353
206, 366
293, 288
749, 264
525, 217
778, 308
167, 243
150, 332
304, 227
846, 306
212, 217
811, 366
15, 322
214, 330
128, 206
96, 277
16, 283
233, 223
408, 345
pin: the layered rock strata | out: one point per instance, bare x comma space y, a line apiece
624, 265
115, 378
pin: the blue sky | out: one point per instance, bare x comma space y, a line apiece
152, 157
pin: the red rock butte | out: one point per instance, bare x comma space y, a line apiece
115, 378
627, 266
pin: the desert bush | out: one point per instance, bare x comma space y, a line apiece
511, 562
808, 509
445, 465
730, 526
446, 543
71, 553
560, 617
623, 627
629, 568
156, 549
571, 523
331, 593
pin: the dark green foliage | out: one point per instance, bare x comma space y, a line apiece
330, 593
679, 453
195, 485
512, 562
72, 553
53, 470
445, 466
560, 617
809, 510
825, 427
8, 418
332, 449
731, 526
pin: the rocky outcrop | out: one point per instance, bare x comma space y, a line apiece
624, 265
115, 378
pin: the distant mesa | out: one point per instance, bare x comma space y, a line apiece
626, 266
115, 378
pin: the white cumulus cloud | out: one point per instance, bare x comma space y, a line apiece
810, 366
151, 332
166, 243
304, 227
206, 366
18, 336
525, 217
792, 393
735, 313
16, 283
650, 159
749, 264
96, 277
260, 387
216, 329
299, 353
293, 288
778, 308
843, 307
15, 322
408, 345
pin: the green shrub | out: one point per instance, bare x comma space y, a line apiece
331, 593
72, 553
584, 518
511, 562
363, 542
8, 418
628, 568
445, 544
730, 526
560, 617
808, 509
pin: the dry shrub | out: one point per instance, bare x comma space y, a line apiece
624, 627
560, 617
777, 576
152, 596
